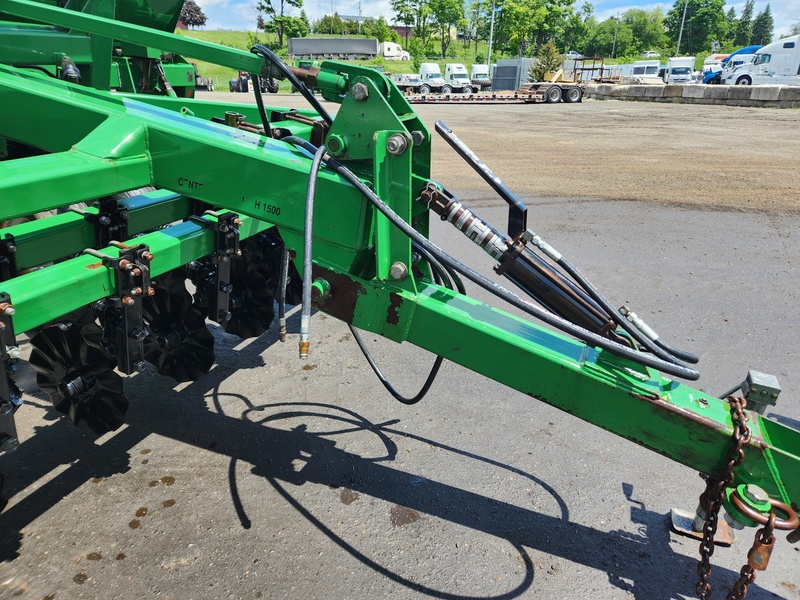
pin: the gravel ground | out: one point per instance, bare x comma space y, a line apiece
272, 478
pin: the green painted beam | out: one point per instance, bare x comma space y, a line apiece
240, 60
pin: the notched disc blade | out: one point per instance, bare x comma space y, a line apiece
79, 377
179, 345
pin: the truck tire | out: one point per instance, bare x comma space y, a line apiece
446, 89
553, 94
574, 94
744, 80
467, 89
424, 89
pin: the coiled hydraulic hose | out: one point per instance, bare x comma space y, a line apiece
494, 288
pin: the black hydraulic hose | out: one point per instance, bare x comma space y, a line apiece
287, 72
632, 329
492, 287
438, 270
260, 102
682, 354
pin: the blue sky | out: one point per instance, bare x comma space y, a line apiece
240, 14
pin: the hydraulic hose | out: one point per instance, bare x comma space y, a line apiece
439, 273
261, 110
308, 238
635, 327
286, 72
494, 288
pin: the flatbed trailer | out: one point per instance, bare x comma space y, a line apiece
532, 93
555, 92
490, 98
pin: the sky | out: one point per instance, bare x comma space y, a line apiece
241, 14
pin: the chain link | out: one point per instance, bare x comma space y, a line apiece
747, 575
712, 498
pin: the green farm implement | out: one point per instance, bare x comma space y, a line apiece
134, 199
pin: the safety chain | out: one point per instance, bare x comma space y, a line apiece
756, 559
712, 498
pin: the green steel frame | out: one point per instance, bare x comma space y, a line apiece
115, 143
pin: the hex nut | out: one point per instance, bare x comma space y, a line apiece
397, 144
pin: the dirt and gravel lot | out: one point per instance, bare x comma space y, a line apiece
276, 478
711, 156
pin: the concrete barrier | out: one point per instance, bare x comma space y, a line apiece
777, 96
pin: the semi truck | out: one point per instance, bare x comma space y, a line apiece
774, 64
342, 47
479, 76
393, 51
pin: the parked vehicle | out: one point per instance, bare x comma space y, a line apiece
202, 83
244, 83
432, 79
457, 76
679, 70
572, 55
479, 77
714, 75
774, 64
348, 48
393, 51
646, 71
650, 54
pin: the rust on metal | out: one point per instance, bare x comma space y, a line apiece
393, 312
344, 294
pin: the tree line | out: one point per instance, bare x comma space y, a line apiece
522, 27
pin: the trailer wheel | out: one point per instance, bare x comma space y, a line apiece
574, 94
553, 94
424, 89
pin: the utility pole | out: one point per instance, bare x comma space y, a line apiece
680, 33
614, 45
491, 34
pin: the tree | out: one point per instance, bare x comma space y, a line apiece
762, 28
730, 25
192, 15
446, 14
647, 28
578, 28
744, 28
278, 19
403, 13
601, 42
547, 59
795, 30
376, 28
705, 22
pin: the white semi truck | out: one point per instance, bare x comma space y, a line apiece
774, 64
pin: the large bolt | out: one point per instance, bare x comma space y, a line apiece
398, 270
417, 137
7, 309
755, 494
140, 366
360, 92
396, 144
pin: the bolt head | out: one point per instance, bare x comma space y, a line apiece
360, 92
398, 271
417, 137
755, 494
397, 144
